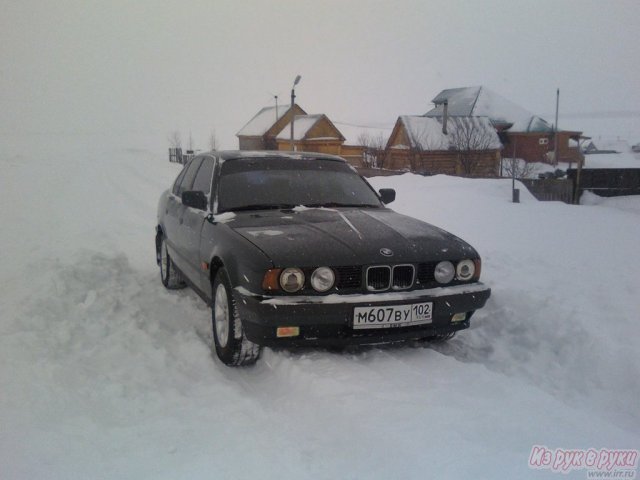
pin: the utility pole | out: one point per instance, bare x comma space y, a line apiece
293, 114
576, 195
515, 192
555, 139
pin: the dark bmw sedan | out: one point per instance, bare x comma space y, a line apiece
298, 249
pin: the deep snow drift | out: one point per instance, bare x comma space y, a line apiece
105, 374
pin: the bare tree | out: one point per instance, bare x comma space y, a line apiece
175, 139
190, 142
471, 139
518, 168
421, 141
374, 149
213, 141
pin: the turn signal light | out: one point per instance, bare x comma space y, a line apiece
271, 280
287, 332
478, 264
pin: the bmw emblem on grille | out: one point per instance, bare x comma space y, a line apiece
387, 252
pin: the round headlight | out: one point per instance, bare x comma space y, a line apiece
465, 270
292, 279
322, 279
444, 272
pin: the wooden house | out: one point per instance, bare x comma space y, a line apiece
312, 133
523, 134
261, 131
457, 146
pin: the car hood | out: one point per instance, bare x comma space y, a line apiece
309, 237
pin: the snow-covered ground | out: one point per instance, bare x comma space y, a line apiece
623, 159
104, 374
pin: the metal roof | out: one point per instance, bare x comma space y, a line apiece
227, 155
263, 121
480, 101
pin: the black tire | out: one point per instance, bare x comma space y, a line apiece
231, 345
171, 278
443, 338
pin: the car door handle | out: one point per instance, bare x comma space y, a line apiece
181, 220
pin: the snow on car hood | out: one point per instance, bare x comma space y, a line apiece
346, 236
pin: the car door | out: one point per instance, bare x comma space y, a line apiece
192, 221
174, 234
170, 215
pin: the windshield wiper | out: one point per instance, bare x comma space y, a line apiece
338, 204
263, 206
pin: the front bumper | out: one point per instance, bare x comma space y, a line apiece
328, 320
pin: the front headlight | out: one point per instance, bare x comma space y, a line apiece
292, 280
465, 270
322, 279
444, 272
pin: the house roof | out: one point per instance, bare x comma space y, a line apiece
353, 133
426, 132
232, 155
480, 101
302, 125
263, 121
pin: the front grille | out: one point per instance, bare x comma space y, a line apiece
402, 277
348, 277
378, 278
381, 277
425, 273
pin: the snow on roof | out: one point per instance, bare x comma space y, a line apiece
480, 101
301, 126
536, 124
612, 160
613, 143
262, 121
426, 132
461, 100
353, 133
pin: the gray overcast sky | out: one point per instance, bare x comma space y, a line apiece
156, 66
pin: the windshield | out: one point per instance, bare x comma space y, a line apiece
273, 182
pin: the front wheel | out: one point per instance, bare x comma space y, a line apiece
231, 344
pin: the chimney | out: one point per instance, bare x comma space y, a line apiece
445, 116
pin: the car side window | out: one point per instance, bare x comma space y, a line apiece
202, 183
179, 178
187, 179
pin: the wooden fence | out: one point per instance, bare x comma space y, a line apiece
550, 189
608, 182
378, 172
176, 155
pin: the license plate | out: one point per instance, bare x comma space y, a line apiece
392, 315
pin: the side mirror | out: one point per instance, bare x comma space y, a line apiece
387, 195
194, 199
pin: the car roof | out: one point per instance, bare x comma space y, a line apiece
228, 155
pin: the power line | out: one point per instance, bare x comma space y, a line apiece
363, 126
600, 114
